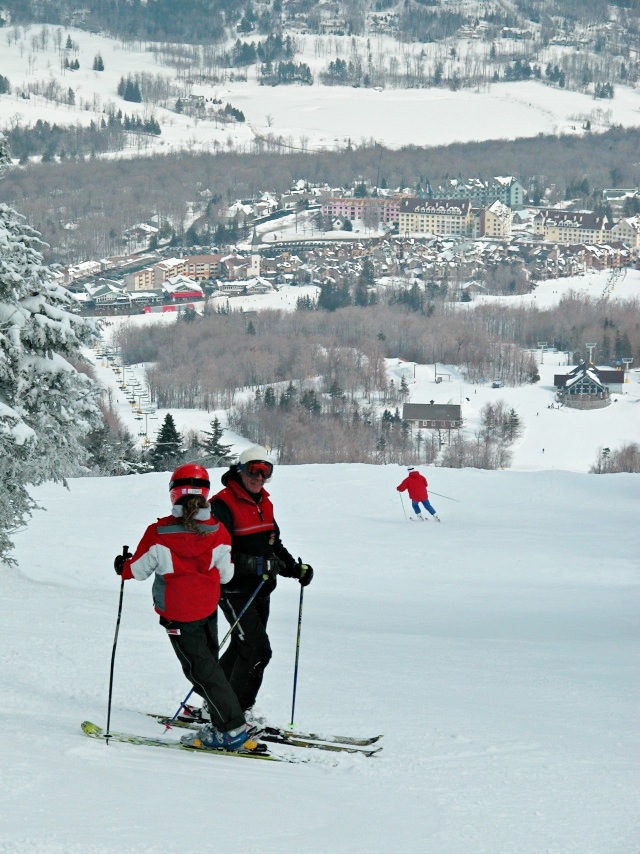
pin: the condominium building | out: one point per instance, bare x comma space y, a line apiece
560, 226
436, 216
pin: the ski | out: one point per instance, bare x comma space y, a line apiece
280, 731
277, 736
95, 731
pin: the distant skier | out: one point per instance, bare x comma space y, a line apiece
416, 484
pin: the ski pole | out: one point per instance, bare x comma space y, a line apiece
431, 492
295, 668
107, 735
403, 510
220, 645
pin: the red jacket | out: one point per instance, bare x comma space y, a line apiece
189, 567
254, 534
416, 483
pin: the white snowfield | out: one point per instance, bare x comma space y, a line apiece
298, 117
497, 652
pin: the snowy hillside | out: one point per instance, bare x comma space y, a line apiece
496, 651
301, 117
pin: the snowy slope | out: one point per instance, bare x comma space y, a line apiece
496, 651
301, 117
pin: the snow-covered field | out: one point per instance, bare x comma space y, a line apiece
497, 652
303, 117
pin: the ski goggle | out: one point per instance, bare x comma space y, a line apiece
256, 468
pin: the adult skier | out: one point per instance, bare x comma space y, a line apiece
416, 485
245, 509
190, 554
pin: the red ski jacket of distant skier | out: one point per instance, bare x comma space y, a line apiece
416, 483
188, 566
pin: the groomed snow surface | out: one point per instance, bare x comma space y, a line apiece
497, 652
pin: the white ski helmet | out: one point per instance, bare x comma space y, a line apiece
259, 456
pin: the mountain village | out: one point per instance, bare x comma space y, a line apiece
470, 237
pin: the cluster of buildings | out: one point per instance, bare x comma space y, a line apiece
176, 280
465, 209
477, 208
464, 268
460, 238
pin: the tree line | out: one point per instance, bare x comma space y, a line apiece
319, 377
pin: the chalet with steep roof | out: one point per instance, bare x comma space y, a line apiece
583, 387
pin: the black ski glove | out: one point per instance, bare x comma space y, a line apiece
118, 563
304, 573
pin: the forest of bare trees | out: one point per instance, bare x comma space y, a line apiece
103, 198
626, 458
320, 377
204, 363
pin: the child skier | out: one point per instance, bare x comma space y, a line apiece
190, 553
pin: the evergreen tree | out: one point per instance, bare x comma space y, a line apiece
217, 454
46, 406
269, 399
333, 296
310, 402
131, 91
366, 280
167, 453
288, 396
513, 425
113, 453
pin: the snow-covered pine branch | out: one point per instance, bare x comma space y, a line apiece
46, 406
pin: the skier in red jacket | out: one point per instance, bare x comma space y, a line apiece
416, 484
244, 507
190, 554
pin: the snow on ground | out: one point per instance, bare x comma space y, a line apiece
303, 117
497, 652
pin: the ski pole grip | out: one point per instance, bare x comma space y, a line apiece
125, 550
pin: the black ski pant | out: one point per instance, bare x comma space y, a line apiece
196, 645
245, 659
